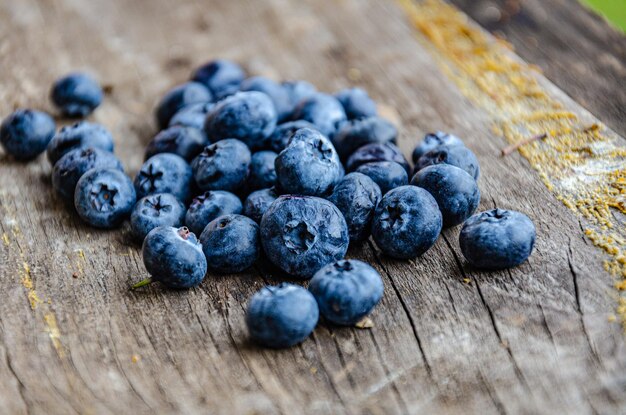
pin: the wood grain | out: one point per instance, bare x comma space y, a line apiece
534, 339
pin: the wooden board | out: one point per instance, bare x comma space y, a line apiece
74, 339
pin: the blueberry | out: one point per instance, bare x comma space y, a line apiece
262, 170
377, 152
279, 96
104, 198
161, 209
179, 97
321, 110
455, 191
192, 115
309, 165
387, 174
187, 142
258, 202
222, 77
78, 135
25, 134
222, 166
356, 103
208, 206
281, 136
70, 168
76, 94
247, 116
281, 316
301, 234
357, 196
497, 239
459, 156
231, 243
356, 133
433, 140
173, 257
165, 173
298, 90
407, 222
346, 291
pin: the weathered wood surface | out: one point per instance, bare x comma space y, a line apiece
74, 339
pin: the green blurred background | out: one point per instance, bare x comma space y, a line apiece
613, 10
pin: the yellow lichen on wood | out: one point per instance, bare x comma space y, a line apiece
53, 331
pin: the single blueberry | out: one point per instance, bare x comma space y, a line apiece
25, 133
433, 140
357, 196
301, 234
208, 206
247, 116
321, 110
407, 222
222, 77
258, 202
281, 316
279, 96
497, 239
356, 133
78, 135
262, 170
281, 136
377, 152
76, 94
456, 155
346, 291
387, 174
231, 243
152, 211
173, 257
356, 103
192, 115
70, 168
104, 198
187, 142
165, 173
309, 165
298, 90
455, 191
222, 166
179, 97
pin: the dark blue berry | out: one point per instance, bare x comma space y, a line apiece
222, 77
104, 198
456, 155
357, 196
187, 142
281, 316
247, 116
192, 115
222, 166
346, 291
356, 133
455, 191
70, 168
356, 103
432, 141
76, 94
231, 243
279, 96
281, 136
377, 152
497, 239
407, 222
298, 90
173, 257
78, 135
262, 170
309, 165
258, 202
161, 209
208, 206
387, 174
301, 234
178, 97
321, 110
165, 173
25, 134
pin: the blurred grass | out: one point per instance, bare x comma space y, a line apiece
613, 10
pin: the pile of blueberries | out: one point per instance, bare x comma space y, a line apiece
316, 172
